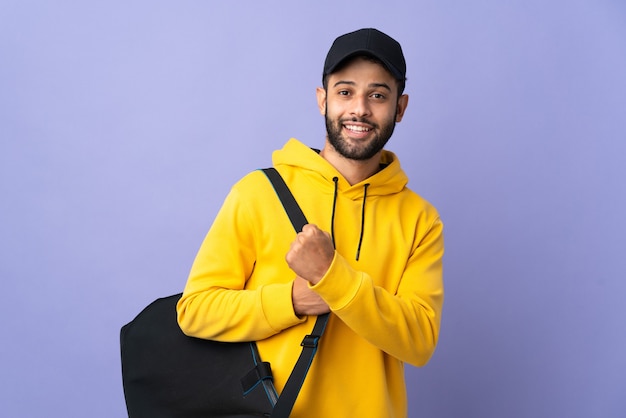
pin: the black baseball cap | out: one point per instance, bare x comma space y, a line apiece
368, 42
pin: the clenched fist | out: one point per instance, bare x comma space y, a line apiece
311, 253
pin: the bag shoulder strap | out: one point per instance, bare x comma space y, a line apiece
296, 216
287, 398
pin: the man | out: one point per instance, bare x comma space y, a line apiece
371, 255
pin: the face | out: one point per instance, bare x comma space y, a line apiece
361, 107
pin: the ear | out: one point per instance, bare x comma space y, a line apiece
321, 100
403, 102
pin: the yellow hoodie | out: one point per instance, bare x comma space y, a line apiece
384, 287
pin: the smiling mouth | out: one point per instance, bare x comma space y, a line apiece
357, 128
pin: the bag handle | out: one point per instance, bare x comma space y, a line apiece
309, 344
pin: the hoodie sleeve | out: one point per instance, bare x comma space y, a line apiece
404, 324
219, 302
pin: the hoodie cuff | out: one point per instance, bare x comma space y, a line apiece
278, 306
339, 285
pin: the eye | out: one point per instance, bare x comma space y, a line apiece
378, 96
343, 92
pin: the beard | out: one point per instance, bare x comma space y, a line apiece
358, 152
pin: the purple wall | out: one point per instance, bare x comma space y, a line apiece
123, 125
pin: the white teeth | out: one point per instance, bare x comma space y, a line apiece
357, 128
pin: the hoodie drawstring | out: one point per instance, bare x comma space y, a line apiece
332, 219
358, 250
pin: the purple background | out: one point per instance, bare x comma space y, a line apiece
124, 123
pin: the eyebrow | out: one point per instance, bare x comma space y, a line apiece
371, 85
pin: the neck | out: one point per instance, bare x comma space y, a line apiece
354, 171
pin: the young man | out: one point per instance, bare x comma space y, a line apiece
371, 255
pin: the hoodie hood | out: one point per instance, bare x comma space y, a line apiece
390, 180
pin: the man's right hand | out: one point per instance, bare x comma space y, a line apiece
306, 301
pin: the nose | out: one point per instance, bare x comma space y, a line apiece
360, 106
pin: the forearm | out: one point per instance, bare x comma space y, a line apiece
404, 324
236, 315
